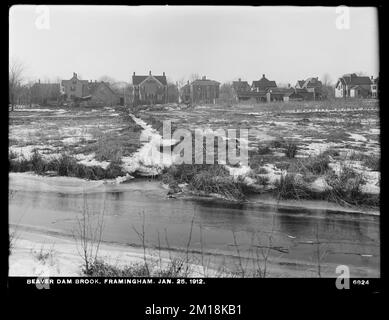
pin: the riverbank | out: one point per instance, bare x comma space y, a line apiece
41, 254
29, 181
51, 206
45, 254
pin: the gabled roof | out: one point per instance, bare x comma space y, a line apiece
136, 80
312, 82
264, 83
353, 79
93, 86
300, 83
47, 86
240, 85
205, 82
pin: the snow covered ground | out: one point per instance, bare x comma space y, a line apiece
42, 255
148, 160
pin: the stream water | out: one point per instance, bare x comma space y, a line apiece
219, 228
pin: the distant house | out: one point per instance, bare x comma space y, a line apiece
45, 93
375, 88
279, 94
263, 84
96, 93
151, 89
353, 86
185, 93
241, 88
172, 93
309, 89
100, 93
200, 91
74, 87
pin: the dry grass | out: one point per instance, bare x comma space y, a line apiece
67, 166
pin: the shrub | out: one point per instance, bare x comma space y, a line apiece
261, 150
291, 187
373, 162
99, 268
330, 152
279, 143
176, 267
12, 155
317, 165
208, 178
291, 149
224, 185
37, 162
67, 166
346, 188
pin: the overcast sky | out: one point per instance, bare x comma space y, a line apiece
223, 43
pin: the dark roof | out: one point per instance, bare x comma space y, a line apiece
353, 79
240, 85
92, 86
50, 86
312, 82
264, 83
252, 94
139, 79
281, 90
205, 82
300, 83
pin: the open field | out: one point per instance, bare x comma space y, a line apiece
303, 146
306, 151
83, 138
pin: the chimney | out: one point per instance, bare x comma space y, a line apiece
133, 73
263, 76
163, 73
288, 85
239, 79
150, 73
371, 77
39, 80
74, 74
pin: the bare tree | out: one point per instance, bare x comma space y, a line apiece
180, 83
361, 74
108, 79
327, 85
194, 76
88, 235
326, 80
15, 78
226, 92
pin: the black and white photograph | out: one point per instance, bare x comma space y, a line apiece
178, 144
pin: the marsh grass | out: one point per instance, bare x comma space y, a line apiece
212, 178
291, 186
345, 188
67, 166
371, 161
